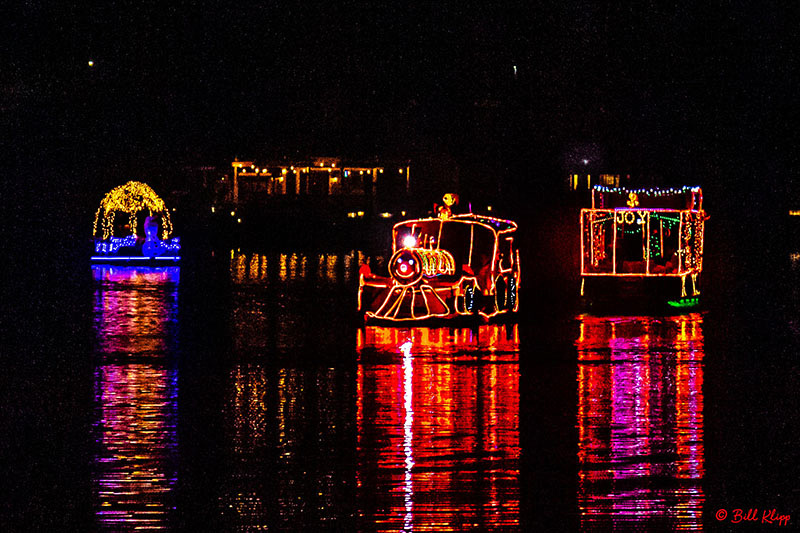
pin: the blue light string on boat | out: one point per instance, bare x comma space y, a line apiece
113, 244
134, 258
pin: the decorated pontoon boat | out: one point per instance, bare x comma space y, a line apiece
445, 267
642, 246
132, 226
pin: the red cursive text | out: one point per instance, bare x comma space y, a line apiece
768, 516
772, 516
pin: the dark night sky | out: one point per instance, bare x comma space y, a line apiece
699, 94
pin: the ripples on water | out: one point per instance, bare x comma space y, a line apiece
326, 425
436, 412
438, 428
640, 422
136, 393
291, 302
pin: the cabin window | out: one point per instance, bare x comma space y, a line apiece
598, 241
505, 253
663, 243
638, 242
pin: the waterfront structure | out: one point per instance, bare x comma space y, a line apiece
578, 182
253, 181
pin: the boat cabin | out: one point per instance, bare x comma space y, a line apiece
645, 234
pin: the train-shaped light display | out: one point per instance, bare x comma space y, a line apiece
445, 267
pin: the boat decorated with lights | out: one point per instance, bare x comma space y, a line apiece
133, 226
445, 267
642, 247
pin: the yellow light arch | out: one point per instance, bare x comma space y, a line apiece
130, 199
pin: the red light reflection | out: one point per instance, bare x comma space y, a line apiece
640, 421
438, 428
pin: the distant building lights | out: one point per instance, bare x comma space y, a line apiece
239, 220
794, 213
488, 208
360, 171
233, 213
212, 208
361, 213
283, 171
351, 215
380, 170
399, 170
386, 215
402, 213
91, 63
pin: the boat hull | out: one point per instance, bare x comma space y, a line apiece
382, 300
130, 250
640, 295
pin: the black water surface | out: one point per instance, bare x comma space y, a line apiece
238, 393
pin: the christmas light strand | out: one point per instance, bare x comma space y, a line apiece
130, 198
649, 191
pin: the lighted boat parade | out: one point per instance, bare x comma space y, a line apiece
445, 267
642, 247
120, 213
343, 266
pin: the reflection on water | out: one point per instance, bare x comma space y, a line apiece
286, 434
136, 388
276, 268
794, 297
640, 421
438, 428
285, 302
